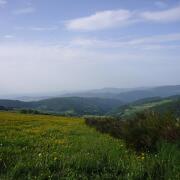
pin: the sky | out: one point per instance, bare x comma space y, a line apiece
67, 45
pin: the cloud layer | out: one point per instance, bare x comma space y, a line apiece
170, 15
155, 42
32, 67
121, 17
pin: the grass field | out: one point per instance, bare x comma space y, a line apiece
52, 147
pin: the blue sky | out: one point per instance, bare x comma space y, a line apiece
57, 45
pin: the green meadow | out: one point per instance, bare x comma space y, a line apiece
53, 147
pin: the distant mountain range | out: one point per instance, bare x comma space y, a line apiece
129, 95
94, 102
124, 94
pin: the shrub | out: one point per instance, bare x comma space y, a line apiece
143, 132
29, 111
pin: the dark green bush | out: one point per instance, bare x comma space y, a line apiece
143, 132
29, 111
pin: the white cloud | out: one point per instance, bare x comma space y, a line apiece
156, 41
3, 3
26, 10
113, 18
169, 15
101, 20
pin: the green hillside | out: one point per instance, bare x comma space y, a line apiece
78, 106
161, 105
67, 105
172, 106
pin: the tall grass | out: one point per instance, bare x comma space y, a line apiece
51, 147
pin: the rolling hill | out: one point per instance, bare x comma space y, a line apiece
67, 105
157, 104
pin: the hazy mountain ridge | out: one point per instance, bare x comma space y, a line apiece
97, 102
129, 94
123, 94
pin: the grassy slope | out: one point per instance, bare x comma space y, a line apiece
130, 110
140, 108
49, 147
173, 106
